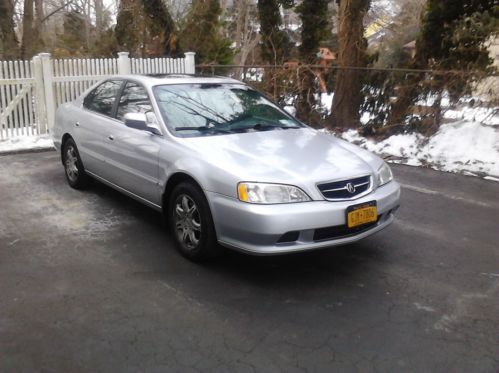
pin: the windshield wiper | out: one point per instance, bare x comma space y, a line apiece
203, 129
267, 126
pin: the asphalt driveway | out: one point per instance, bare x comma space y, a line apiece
90, 281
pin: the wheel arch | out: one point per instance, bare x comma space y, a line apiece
65, 138
175, 179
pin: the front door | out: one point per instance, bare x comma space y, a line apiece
134, 154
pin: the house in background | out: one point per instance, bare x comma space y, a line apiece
377, 30
410, 48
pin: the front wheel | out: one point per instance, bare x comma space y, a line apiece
191, 224
75, 173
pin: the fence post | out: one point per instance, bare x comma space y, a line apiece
190, 62
40, 104
124, 66
48, 85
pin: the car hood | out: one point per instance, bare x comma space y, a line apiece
292, 156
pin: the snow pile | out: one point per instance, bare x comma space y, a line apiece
468, 147
397, 147
468, 143
21, 143
485, 115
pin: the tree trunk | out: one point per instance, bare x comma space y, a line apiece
246, 36
88, 24
9, 48
239, 6
352, 46
39, 25
99, 17
28, 31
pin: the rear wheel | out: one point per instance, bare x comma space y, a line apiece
75, 173
191, 224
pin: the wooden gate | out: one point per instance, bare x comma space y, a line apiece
21, 101
31, 91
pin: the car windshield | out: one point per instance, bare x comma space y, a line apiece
212, 109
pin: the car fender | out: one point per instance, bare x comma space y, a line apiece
209, 177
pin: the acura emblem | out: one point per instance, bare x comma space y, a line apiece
350, 187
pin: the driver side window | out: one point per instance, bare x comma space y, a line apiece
134, 99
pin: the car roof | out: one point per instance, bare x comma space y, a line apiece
162, 79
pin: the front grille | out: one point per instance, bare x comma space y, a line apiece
341, 231
346, 189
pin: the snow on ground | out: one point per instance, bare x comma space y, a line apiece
468, 144
468, 147
398, 146
485, 115
21, 143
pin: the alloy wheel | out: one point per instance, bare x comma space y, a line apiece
187, 222
71, 163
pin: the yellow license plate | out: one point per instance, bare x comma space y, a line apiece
361, 214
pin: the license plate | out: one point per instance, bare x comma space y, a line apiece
361, 214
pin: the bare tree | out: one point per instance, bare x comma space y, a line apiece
56, 7
99, 16
39, 25
28, 31
178, 10
8, 40
246, 34
352, 46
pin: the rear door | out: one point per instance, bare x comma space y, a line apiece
93, 124
133, 153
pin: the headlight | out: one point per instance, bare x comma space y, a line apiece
270, 193
384, 174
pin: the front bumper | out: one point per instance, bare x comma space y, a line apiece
257, 229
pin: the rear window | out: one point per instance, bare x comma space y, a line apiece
103, 97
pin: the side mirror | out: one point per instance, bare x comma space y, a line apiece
290, 110
141, 121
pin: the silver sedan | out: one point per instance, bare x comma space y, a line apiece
224, 164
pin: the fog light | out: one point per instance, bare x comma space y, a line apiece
289, 237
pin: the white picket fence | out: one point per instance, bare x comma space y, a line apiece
31, 91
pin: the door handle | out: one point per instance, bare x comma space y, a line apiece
77, 124
111, 137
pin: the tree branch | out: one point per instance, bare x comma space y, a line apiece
56, 10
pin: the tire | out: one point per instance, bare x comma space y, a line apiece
73, 167
191, 224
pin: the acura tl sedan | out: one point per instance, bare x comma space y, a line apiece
224, 164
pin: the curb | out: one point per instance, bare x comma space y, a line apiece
25, 151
